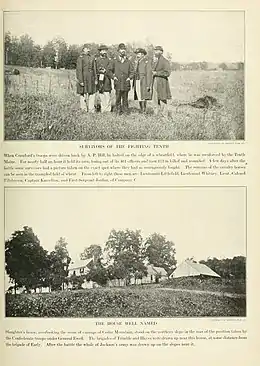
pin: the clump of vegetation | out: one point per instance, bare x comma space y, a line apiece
123, 302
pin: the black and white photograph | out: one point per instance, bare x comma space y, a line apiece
163, 253
124, 75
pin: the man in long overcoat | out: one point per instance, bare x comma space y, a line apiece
123, 72
86, 83
142, 78
103, 78
161, 88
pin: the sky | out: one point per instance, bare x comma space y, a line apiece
189, 36
202, 222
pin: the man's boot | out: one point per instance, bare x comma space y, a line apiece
141, 107
145, 104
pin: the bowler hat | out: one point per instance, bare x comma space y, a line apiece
159, 48
122, 46
102, 47
141, 50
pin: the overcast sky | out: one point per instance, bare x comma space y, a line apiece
189, 36
202, 222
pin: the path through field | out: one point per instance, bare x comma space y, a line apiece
217, 293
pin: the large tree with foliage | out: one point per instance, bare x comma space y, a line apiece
125, 254
228, 267
160, 252
26, 261
59, 260
93, 251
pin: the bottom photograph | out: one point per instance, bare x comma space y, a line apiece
125, 252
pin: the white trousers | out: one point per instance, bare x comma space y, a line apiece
105, 99
138, 90
87, 102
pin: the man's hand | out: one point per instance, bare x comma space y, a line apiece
128, 79
115, 78
96, 82
154, 73
81, 84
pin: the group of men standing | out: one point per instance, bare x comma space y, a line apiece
149, 78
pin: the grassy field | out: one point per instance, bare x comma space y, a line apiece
208, 284
124, 302
42, 104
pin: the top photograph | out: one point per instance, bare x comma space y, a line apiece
124, 75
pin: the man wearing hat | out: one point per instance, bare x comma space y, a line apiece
123, 71
103, 78
86, 79
142, 79
161, 88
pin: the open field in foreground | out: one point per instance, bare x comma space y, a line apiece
124, 302
42, 104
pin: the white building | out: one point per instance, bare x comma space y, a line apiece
189, 268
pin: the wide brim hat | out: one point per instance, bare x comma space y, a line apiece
158, 48
102, 47
141, 50
122, 46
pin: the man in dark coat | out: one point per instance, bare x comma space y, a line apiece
142, 78
86, 83
123, 71
103, 78
161, 88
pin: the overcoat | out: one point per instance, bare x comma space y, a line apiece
85, 74
103, 67
143, 72
163, 71
122, 71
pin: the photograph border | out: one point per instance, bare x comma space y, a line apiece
231, 318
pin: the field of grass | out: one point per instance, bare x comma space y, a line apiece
43, 105
123, 302
208, 284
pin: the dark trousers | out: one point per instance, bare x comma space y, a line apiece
122, 101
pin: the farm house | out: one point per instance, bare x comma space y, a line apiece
190, 268
78, 268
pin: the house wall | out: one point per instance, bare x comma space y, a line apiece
78, 271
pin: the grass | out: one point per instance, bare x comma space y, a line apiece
123, 302
42, 104
208, 284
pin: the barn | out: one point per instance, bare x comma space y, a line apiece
190, 268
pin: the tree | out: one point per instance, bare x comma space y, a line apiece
160, 252
76, 281
93, 251
98, 274
125, 253
48, 55
26, 260
59, 261
227, 267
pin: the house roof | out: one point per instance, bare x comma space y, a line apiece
79, 263
191, 268
155, 270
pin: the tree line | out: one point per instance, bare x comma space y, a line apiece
123, 256
57, 53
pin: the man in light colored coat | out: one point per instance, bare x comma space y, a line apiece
161, 88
